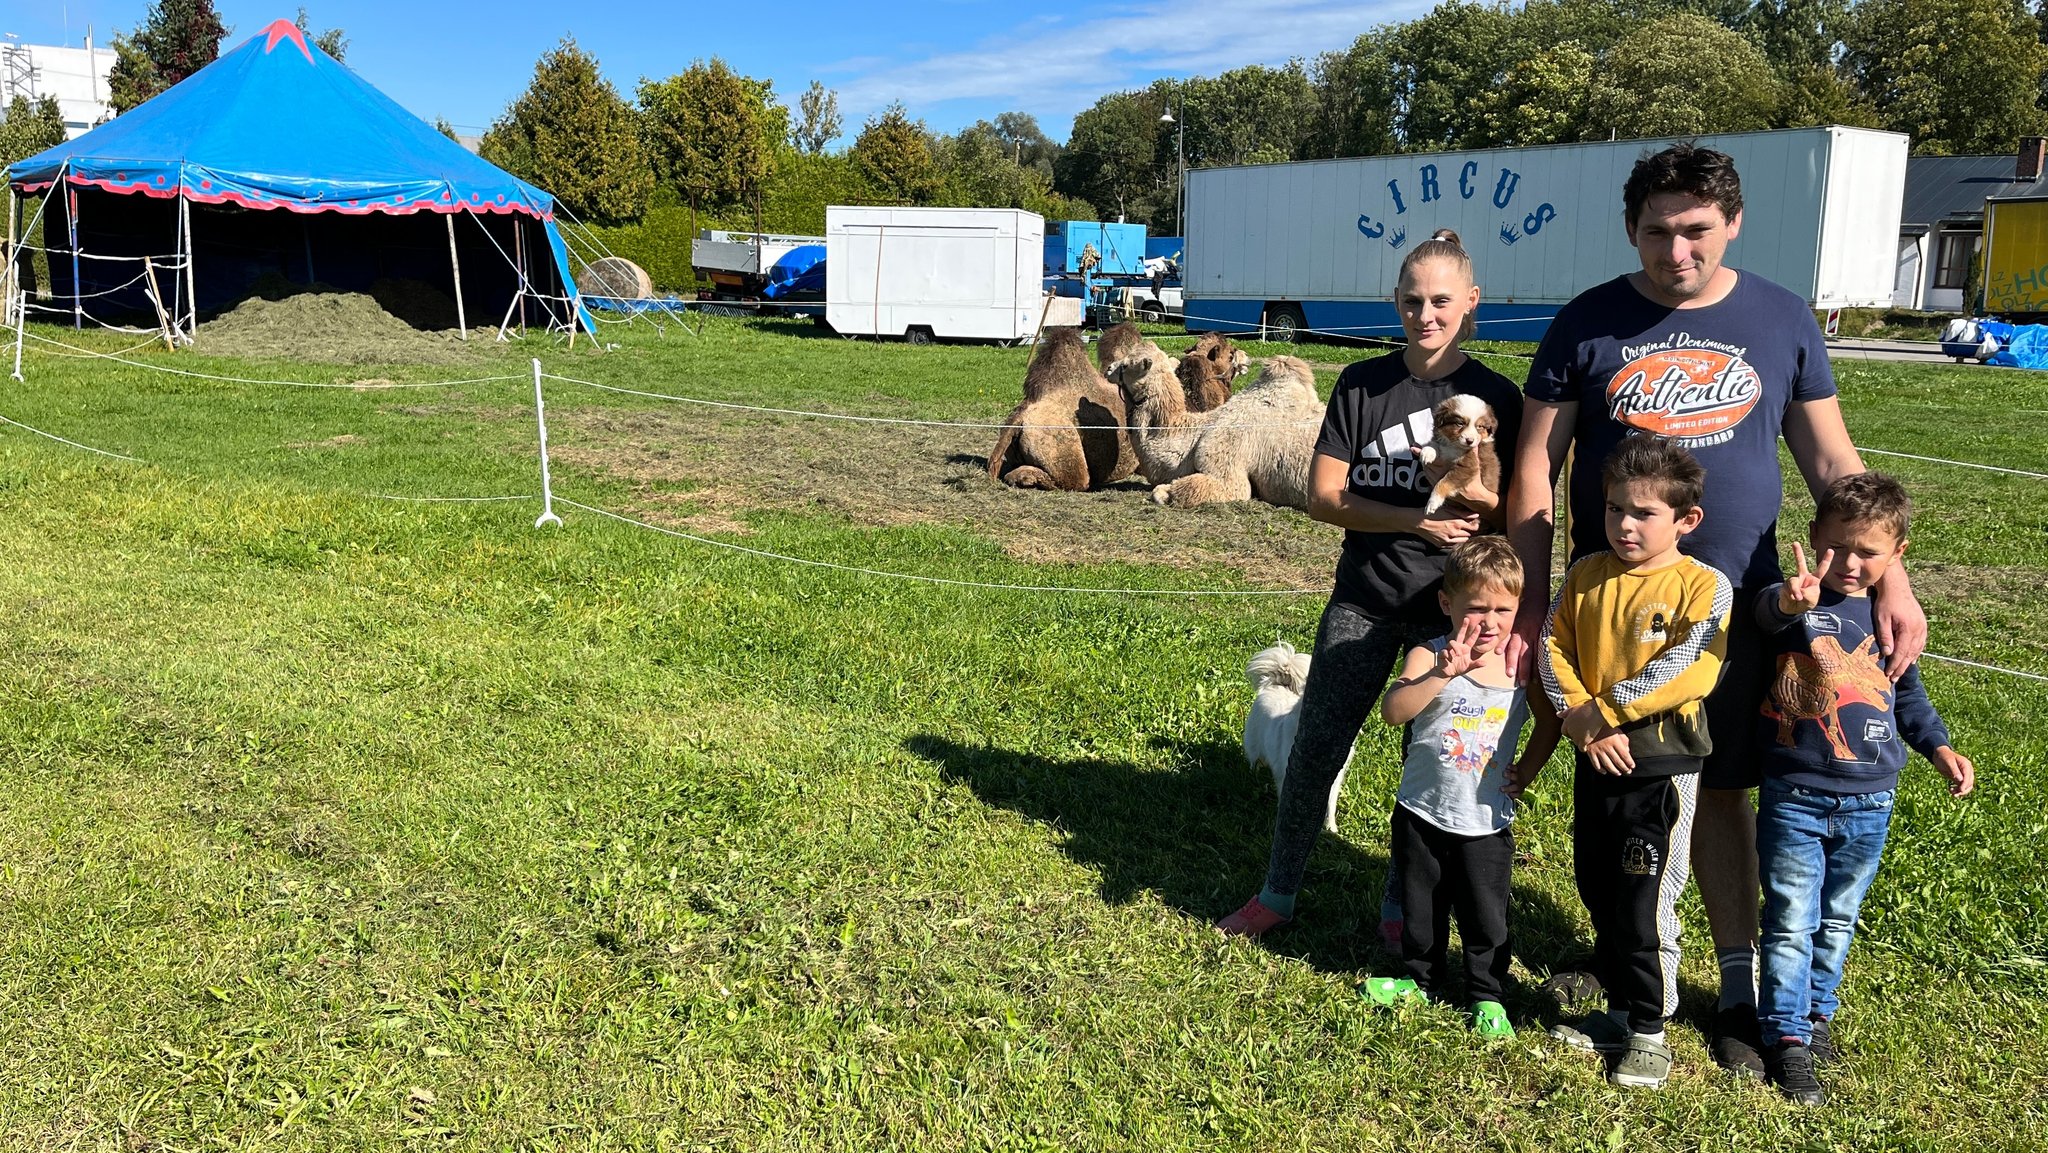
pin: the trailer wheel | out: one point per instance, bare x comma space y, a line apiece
1284, 323
1151, 313
918, 334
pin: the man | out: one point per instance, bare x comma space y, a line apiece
1723, 362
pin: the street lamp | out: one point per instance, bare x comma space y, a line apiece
1180, 155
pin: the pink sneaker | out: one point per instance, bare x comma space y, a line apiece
1251, 921
1390, 936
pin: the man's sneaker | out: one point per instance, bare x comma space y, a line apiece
1490, 1021
1736, 1045
1391, 991
1598, 1033
1251, 921
1646, 1065
1791, 1066
1823, 1042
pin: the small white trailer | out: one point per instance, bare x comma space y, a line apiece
1317, 244
949, 273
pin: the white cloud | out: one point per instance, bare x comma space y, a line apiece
1055, 69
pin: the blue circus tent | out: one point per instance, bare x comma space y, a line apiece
277, 159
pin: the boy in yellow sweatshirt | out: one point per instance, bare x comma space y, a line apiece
1634, 645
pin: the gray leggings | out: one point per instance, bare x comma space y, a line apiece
1354, 657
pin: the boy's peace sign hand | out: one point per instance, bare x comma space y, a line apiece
1801, 591
1456, 659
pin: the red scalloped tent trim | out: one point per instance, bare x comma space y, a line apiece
388, 206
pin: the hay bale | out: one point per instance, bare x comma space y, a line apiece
615, 276
332, 327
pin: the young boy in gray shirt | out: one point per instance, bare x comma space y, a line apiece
1452, 843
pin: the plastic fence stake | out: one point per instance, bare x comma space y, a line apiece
547, 490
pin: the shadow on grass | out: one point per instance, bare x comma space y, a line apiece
1197, 834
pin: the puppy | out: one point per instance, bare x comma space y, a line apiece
1279, 674
1465, 426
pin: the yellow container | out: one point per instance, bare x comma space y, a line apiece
2016, 256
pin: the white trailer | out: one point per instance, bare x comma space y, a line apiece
1317, 245
955, 273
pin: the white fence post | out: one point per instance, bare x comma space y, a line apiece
547, 489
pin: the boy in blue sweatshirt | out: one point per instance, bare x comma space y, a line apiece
1830, 764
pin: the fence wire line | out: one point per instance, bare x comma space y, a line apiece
1988, 668
912, 420
1957, 463
361, 387
921, 578
449, 499
72, 443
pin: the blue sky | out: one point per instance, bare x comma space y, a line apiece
950, 61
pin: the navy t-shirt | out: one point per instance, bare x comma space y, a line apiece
1717, 379
1377, 415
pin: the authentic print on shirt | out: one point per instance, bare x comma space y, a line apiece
1690, 389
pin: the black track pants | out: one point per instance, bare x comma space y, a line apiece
1631, 849
1443, 874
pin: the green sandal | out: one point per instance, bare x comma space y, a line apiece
1391, 991
1490, 1021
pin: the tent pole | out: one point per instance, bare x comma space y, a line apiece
77, 290
7, 273
519, 254
191, 289
461, 319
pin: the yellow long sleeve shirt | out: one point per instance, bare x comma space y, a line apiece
1646, 648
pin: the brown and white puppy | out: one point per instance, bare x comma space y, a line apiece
1463, 442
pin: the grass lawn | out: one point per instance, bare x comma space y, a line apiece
337, 822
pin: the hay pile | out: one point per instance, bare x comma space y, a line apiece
396, 322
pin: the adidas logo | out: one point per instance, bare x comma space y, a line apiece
1389, 462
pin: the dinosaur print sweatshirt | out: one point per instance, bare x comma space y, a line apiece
1645, 646
1842, 726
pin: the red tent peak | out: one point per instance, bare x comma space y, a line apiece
285, 30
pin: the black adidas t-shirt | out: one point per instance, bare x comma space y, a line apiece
1717, 379
1377, 415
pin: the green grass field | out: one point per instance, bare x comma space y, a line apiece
337, 822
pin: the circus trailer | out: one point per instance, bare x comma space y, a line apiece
944, 273
1318, 244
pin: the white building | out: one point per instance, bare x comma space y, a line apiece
77, 77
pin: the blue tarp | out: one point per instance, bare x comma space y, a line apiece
799, 275
279, 124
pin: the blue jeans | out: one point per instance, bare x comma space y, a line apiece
1818, 853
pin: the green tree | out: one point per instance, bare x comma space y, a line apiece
712, 133
1540, 99
1029, 146
1357, 102
1119, 156
818, 122
1250, 115
571, 134
1681, 75
442, 126
894, 155
176, 39
27, 129
1820, 94
1795, 35
1958, 76
334, 41
1443, 63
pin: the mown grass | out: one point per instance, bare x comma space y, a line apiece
336, 822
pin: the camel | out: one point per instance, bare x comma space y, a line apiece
1068, 432
1258, 443
1116, 343
1207, 370
1814, 688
